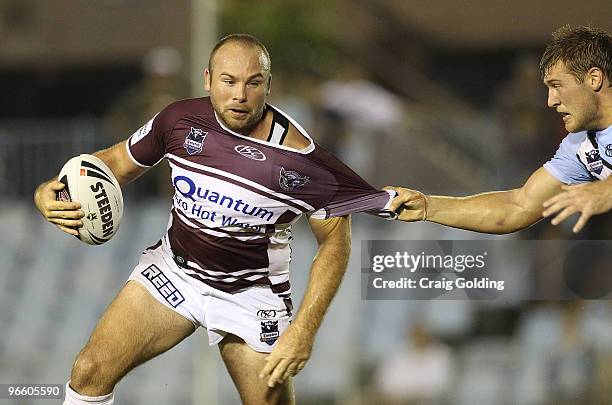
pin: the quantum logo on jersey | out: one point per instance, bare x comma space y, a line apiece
250, 152
289, 180
163, 285
609, 150
594, 161
269, 332
194, 141
232, 203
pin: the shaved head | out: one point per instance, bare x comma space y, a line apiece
246, 41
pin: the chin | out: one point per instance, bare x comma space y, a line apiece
573, 127
237, 125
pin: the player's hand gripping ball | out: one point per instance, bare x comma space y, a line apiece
90, 182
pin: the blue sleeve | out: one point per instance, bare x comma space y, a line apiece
565, 165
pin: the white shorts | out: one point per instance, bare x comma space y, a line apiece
255, 314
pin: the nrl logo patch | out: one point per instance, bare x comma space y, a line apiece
269, 332
194, 141
594, 161
290, 180
609, 150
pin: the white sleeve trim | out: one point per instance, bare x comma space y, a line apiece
127, 146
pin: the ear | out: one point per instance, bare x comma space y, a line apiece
269, 85
207, 75
595, 78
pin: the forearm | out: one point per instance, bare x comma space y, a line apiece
117, 159
494, 212
326, 274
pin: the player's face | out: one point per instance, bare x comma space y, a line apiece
575, 101
238, 84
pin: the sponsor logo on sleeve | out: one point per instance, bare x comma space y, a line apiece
142, 131
194, 141
250, 152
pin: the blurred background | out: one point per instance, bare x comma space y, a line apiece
441, 96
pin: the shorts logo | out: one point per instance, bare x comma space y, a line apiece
163, 285
609, 150
266, 313
594, 161
250, 152
269, 332
289, 180
194, 141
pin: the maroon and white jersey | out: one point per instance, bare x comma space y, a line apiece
236, 197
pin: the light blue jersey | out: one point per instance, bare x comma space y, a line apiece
582, 157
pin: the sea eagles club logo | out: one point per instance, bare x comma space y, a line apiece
290, 180
195, 140
250, 152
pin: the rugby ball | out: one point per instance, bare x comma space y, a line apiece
89, 181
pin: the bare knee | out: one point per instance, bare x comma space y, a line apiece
91, 376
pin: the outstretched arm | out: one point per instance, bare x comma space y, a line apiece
67, 215
295, 344
494, 212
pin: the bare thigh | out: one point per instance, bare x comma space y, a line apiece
244, 365
133, 329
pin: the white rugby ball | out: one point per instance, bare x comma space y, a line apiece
89, 181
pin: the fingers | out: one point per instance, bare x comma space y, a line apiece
56, 185
556, 207
71, 223
70, 231
553, 200
581, 222
404, 195
271, 362
290, 372
279, 370
563, 215
278, 373
55, 205
71, 214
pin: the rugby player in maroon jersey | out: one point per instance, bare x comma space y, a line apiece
243, 173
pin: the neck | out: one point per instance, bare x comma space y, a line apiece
605, 111
259, 130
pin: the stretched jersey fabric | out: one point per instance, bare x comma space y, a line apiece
582, 157
236, 197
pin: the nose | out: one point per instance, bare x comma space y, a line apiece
240, 93
553, 100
